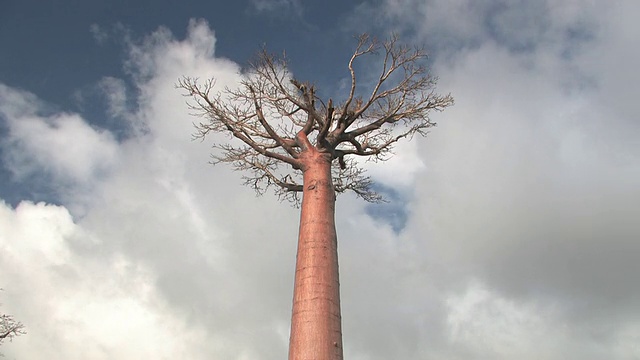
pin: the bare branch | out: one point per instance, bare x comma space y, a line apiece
10, 328
273, 119
326, 124
405, 103
284, 143
366, 45
235, 116
349, 176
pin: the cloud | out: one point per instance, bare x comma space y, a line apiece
524, 211
519, 241
483, 322
278, 7
164, 243
41, 142
531, 186
115, 92
451, 26
542, 179
99, 34
76, 304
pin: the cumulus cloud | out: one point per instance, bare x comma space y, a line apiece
519, 242
520, 26
542, 170
79, 305
164, 242
523, 214
532, 186
42, 142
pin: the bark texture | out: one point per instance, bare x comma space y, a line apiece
316, 321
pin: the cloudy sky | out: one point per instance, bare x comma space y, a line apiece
511, 230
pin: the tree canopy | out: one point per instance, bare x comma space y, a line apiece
272, 117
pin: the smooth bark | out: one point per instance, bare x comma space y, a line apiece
316, 321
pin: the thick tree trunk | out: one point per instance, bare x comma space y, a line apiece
316, 332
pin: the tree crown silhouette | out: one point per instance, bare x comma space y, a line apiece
273, 118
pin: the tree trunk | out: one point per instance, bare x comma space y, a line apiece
316, 332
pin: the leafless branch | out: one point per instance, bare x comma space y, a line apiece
269, 111
10, 328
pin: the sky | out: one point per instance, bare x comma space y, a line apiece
510, 231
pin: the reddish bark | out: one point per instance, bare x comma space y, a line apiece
316, 321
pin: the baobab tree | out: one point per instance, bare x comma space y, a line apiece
286, 137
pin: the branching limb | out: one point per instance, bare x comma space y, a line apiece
262, 172
322, 135
399, 105
284, 143
303, 141
274, 119
349, 176
10, 328
309, 98
235, 116
366, 45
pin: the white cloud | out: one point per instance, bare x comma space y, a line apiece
164, 242
531, 185
528, 172
99, 34
59, 144
520, 26
115, 92
529, 189
484, 322
278, 7
498, 327
400, 170
79, 305
531, 178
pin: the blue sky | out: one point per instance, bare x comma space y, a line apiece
511, 231
57, 49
